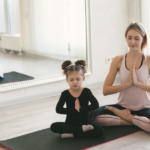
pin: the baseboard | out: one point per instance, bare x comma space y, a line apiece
43, 96
29, 98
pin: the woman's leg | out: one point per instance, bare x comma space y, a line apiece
104, 117
140, 121
110, 120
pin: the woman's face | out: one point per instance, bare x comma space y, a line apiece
134, 40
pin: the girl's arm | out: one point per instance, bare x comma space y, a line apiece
108, 88
94, 103
60, 106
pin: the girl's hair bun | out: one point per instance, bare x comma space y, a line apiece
65, 64
82, 64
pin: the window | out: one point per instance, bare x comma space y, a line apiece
9, 16
13, 16
2, 17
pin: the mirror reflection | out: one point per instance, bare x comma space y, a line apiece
38, 35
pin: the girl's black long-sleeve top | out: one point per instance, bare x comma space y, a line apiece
73, 116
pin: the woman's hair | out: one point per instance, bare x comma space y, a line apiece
67, 67
141, 29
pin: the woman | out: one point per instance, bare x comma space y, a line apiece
133, 107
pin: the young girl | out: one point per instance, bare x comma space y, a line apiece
77, 101
133, 107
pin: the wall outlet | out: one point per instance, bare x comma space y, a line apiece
108, 60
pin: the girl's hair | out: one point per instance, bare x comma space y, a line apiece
141, 29
67, 67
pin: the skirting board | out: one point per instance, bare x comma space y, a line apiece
42, 96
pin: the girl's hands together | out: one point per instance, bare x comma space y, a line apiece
77, 105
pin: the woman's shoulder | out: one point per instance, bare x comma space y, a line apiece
148, 61
118, 58
148, 58
117, 61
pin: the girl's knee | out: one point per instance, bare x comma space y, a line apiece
98, 129
101, 131
52, 127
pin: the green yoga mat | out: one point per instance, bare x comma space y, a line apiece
47, 140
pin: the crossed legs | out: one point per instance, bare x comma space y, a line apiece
105, 117
69, 131
115, 115
125, 114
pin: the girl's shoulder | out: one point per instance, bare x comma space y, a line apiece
65, 92
86, 90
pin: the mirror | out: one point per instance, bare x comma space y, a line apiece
51, 31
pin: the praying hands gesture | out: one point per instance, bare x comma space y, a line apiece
134, 81
77, 105
132, 76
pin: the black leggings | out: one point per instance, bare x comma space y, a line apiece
62, 127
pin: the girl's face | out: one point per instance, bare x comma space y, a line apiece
134, 40
75, 80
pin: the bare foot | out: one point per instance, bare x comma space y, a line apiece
109, 108
124, 122
115, 110
125, 114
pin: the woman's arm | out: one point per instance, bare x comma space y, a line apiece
108, 88
60, 106
143, 86
136, 82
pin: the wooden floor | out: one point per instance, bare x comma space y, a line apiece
32, 65
2, 148
32, 116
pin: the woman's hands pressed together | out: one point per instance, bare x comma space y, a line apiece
77, 105
132, 76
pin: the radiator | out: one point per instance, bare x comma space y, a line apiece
11, 42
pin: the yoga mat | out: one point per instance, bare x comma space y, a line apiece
47, 140
14, 77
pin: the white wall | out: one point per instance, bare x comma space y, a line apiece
39, 21
109, 20
134, 10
